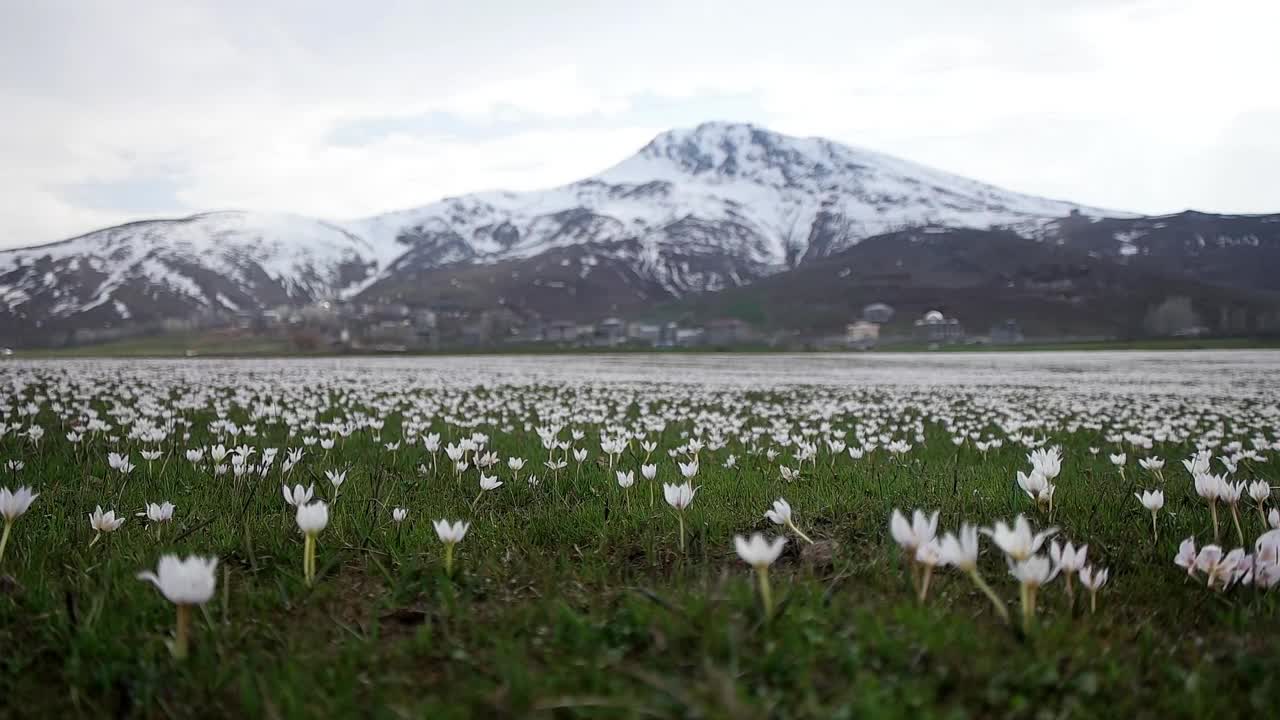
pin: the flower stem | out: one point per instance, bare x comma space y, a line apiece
1235, 516
448, 559
800, 532
4, 539
766, 593
1027, 609
1213, 509
1093, 601
680, 516
309, 559
1155, 530
180, 636
991, 594
924, 585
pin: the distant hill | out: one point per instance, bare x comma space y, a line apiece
981, 277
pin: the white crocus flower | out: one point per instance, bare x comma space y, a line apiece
760, 553
185, 583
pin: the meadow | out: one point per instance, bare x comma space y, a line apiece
580, 590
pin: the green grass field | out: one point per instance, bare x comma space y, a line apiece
571, 598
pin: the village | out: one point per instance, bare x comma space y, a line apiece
391, 328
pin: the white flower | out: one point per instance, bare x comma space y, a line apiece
1152, 500
1067, 558
105, 522
399, 514
1092, 579
14, 503
117, 461
489, 482
1230, 492
1209, 486
781, 512
1197, 464
689, 470
1048, 461
679, 496
1119, 459
758, 552
1034, 571
1018, 542
298, 495
919, 531
313, 517
626, 479
1036, 486
158, 513
515, 464
184, 582
336, 478
451, 534
649, 471
1186, 557
929, 554
1152, 464
1260, 491
961, 551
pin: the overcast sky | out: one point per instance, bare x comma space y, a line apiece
118, 110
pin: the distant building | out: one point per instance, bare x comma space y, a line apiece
935, 328
877, 313
728, 331
689, 337
561, 331
610, 332
1006, 333
644, 333
861, 335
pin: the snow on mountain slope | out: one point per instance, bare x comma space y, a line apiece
696, 209
765, 199
222, 260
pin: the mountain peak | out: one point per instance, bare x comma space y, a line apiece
729, 150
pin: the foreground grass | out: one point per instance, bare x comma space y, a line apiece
571, 599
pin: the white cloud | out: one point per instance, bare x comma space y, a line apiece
1151, 106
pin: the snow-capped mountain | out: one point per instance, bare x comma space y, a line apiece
709, 207
213, 261
696, 209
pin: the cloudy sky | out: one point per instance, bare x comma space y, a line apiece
122, 109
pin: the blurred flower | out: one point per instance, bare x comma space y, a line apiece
298, 495
760, 554
1093, 581
450, 535
13, 505
184, 583
312, 519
